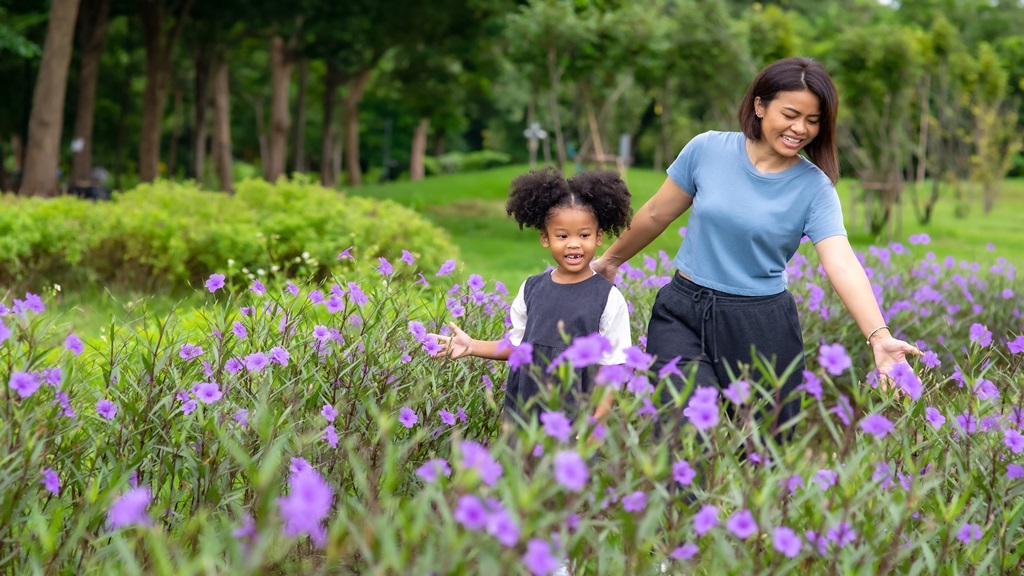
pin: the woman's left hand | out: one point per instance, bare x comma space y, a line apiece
890, 351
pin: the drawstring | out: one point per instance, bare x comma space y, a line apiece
710, 311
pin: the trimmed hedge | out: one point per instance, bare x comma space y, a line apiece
171, 235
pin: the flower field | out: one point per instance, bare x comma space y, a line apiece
288, 427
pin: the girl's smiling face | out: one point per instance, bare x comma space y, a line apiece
789, 122
573, 236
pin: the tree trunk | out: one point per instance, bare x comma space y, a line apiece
202, 101
42, 157
328, 176
356, 88
159, 44
438, 141
222, 125
177, 125
299, 162
92, 29
419, 149
555, 75
281, 65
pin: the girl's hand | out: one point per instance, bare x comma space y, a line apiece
889, 352
602, 267
455, 346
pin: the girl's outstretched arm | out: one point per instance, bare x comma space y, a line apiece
461, 344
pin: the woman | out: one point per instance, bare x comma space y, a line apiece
753, 198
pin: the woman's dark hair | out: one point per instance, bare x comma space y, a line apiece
794, 75
534, 195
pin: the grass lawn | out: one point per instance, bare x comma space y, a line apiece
471, 206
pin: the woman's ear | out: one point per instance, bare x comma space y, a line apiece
600, 237
544, 239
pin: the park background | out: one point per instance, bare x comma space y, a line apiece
310, 145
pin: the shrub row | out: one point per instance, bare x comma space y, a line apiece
170, 235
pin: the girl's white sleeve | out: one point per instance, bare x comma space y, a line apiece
518, 315
615, 327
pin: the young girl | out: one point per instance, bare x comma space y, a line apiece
572, 217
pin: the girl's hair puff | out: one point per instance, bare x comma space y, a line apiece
606, 195
534, 195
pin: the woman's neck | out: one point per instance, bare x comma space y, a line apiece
764, 158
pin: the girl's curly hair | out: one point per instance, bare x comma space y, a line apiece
534, 195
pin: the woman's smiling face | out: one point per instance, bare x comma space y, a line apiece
789, 121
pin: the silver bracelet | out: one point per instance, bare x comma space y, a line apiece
882, 327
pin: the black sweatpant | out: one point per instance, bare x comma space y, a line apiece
713, 329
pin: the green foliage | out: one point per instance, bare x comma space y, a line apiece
217, 469
453, 162
167, 236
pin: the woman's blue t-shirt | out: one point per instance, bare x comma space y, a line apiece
745, 225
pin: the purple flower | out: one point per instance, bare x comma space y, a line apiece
742, 524
587, 350
671, 367
407, 417
356, 294
634, 502
476, 457
907, 380
238, 329
683, 473
447, 268
329, 412
985, 389
967, 422
637, 358
843, 410
5, 332
521, 355
50, 481
430, 469
407, 257
931, 359
215, 282
705, 520
258, 287
308, 503
208, 392
106, 408
969, 533
470, 512
792, 483
189, 407
826, 478
538, 558
786, 541
346, 253
702, 414
1014, 441
738, 392
385, 267
980, 334
502, 526
833, 358
72, 343
934, 417
476, 282
242, 417
292, 288
233, 365
556, 425
279, 355
130, 509
876, 425
256, 361
570, 470
24, 383
447, 417
811, 384
1014, 471
842, 534
190, 351
331, 436
684, 552
1017, 345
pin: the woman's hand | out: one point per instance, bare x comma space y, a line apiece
889, 352
456, 346
604, 268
